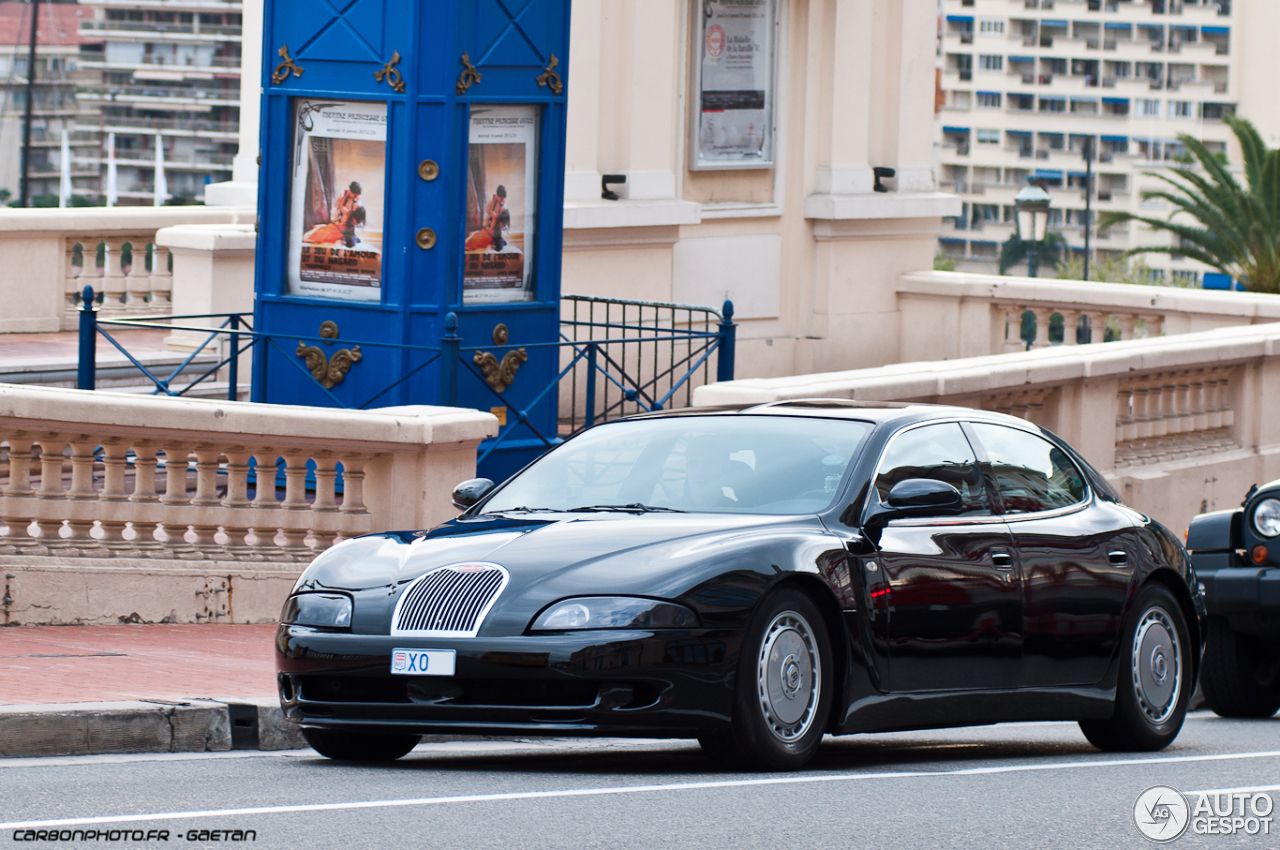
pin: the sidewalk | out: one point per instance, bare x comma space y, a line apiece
68, 690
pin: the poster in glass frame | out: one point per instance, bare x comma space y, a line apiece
501, 204
734, 82
337, 204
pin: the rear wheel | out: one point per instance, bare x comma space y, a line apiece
1240, 675
784, 688
342, 745
1152, 692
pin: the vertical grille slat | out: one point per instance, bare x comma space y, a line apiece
449, 601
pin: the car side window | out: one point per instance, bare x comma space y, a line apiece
1032, 473
939, 452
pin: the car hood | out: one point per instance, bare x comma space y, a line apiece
556, 556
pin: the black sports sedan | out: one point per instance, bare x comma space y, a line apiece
756, 578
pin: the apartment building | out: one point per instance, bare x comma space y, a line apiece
169, 76
1026, 82
54, 105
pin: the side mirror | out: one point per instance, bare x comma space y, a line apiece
924, 497
469, 492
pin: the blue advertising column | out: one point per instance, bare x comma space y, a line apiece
412, 167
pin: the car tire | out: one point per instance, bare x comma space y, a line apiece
342, 745
1153, 687
784, 688
1240, 675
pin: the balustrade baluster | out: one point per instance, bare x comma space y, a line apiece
72, 282
177, 515
1127, 323
147, 508
267, 513
1043, 315
1199, 411
138, 279
1126, 424
20, 506
161, 282
1224, 402
82, 498
296, 510
1070, 326
1097, 326
1159, 402
52, 495
113, 502
1213, 403
326, 522
206, 506
1013, 328
237, 509
113, 280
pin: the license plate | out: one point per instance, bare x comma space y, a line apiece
422, 662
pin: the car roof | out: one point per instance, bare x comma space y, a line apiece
879, 412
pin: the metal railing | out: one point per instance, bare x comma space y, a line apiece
617, 357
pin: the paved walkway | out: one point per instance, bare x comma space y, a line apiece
67, 343
62, 664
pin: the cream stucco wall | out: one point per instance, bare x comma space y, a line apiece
806, 250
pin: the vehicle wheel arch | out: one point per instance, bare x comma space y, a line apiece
820, 594
1168, 578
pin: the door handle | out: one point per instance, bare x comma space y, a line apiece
1002, 560
1119, 557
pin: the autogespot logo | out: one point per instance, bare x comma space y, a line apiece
1163, 813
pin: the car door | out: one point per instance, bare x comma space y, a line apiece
950, 587
1074, 550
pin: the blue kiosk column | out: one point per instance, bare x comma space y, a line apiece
413, 168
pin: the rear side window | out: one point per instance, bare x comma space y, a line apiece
939, 452
1032, 473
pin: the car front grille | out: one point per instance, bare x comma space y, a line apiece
449, 602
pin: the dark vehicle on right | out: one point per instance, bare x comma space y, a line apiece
1236, 556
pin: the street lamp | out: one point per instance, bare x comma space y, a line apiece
1032, 205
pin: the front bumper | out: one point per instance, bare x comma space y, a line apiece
1240, 590
668, 683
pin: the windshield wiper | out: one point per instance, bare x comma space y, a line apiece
634, 507
522, 510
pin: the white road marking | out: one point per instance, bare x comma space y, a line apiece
625, 789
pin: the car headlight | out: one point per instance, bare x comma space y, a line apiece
329, 610
1266, 517
614, 612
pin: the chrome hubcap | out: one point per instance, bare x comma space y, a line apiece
789, 676
1157, 665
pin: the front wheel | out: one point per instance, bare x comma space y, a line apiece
342, 745
784, 688
1153, 691
1240, 674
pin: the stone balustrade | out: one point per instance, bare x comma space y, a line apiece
1180, 423
49, 255
143, 499
945, 315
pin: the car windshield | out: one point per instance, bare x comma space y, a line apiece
731, 464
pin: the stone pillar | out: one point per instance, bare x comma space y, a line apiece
242, 189
843, 151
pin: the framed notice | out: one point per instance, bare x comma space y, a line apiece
337, 204
502, 204
734, 78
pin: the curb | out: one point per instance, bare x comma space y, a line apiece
145, 726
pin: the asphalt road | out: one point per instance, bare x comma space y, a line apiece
1009, 786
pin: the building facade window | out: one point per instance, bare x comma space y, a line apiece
988, 137
1179, 109
991, 62
1146, 107
1053, 104
991, 26
989, 100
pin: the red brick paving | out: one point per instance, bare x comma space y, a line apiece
66, 343
59, 664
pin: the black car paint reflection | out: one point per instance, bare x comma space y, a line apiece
933, 621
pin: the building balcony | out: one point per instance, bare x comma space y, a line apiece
229, 6
160, 97
214, 130
156, 31
75, 138
218, 66
199, 161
